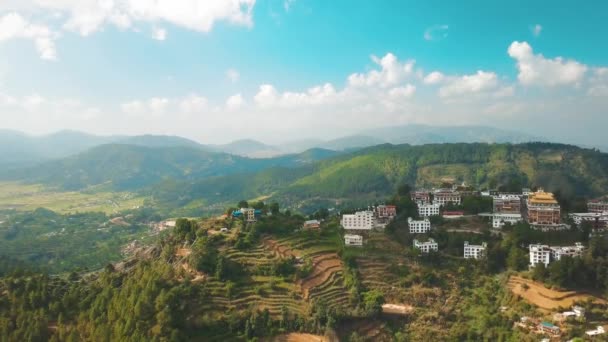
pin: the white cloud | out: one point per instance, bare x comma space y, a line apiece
89, 16
266, 95
193, 104
14, 26
434, 77
436, 32
391, 72
536, 30
233, 75
235, 102
159, 34
402, 92
475, 83
598, 82
538, 70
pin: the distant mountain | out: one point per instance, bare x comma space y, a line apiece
19, 149
423, 134
248, 148
352, 142
159, 141
132, 167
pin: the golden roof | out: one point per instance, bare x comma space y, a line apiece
541, 197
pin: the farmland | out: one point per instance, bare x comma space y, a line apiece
27, 197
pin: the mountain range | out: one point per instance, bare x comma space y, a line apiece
18, 149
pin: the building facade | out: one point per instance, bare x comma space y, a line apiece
311, 224
507, 204
499, 219
426, 210
361, 220
419, 226
386, 212
443, 197
353, 240
597, 220
539, 254
421, 197
474, 251
546, 254
543, 209
599, 205
426, 247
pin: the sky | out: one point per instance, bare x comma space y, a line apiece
282, 70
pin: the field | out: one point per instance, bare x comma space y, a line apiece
26, 197
547, 299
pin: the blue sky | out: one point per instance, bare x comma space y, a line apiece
302, 68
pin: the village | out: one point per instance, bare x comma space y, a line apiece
539, 209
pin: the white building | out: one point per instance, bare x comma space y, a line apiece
426, 210
545, 254
445, 196
474, 251
419, 226
598, 331
597, 220
572, 251
426, 247
539, 254
353, 240
248, 214
361, 220
499, 219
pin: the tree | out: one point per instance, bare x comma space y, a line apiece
274, 208
243, 204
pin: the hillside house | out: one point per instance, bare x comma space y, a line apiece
452, 214
248, 214
311, 224
474, 251
500, 219
361, 220
426, 210
597, 220
597, 331
421, 197
539, 254
387, 212
353, 240
426, 247
419, 226
506, 203
548, 328
445, 196
598, 205
571, 251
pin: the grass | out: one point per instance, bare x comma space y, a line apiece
27, 197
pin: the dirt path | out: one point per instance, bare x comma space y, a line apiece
397, 309
297, 337
548, 299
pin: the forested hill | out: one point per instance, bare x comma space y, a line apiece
132, 167
375, 172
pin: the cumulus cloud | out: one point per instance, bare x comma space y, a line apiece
89, 16
392, 71
434, 77
235, 102
15, 26
481, 81
535, 69
436, 32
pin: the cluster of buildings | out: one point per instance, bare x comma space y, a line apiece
375, 217
430, 202
540, 209
596, 215
546, 254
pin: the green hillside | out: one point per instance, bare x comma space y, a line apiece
128, 167
373, 173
